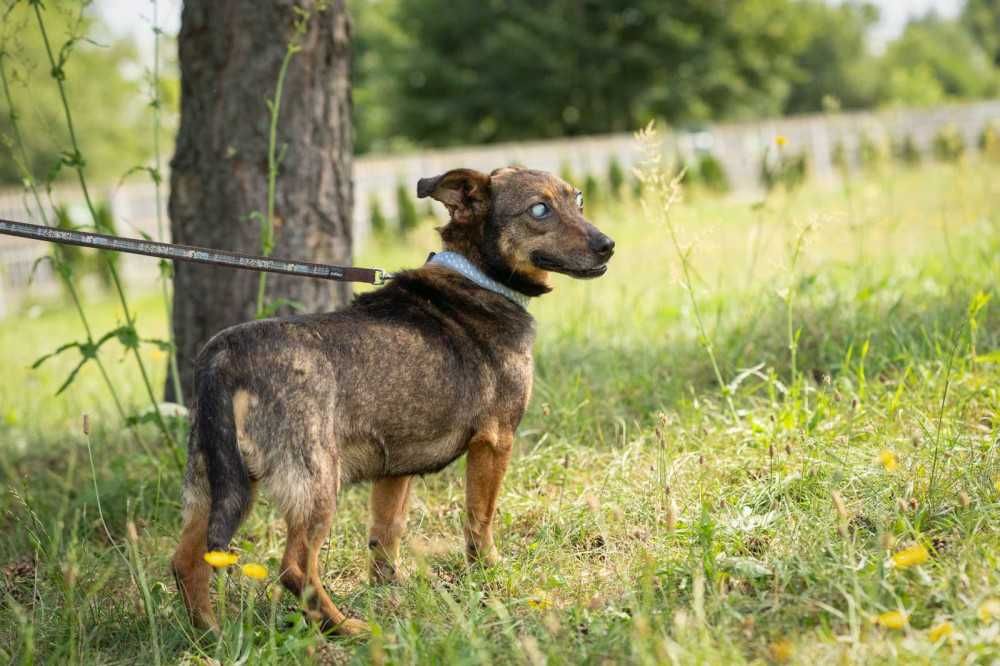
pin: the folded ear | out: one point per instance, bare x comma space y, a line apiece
464, 192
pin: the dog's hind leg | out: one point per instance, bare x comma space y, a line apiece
190, 570
300, 569
390, 497
489, 453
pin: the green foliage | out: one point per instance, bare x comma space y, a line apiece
982, 19
616, 177
872, 151
407, 218
934, 60
989, 140
906, 150
948, 144
640, 521
613, 66
109, 118
712, 174
378, 222
834, 62
108, 263
602, 67
787, 168
591, 188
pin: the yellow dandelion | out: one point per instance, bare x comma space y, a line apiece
888, 460
539, 600
781, 140
220, 559
910, 557
255, 571
939, 631
989, 610
891, 619
781, 651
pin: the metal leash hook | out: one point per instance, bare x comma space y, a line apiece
198, 255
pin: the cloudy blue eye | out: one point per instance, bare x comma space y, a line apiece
579, 200
539, 211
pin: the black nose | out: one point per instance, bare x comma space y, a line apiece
602, 245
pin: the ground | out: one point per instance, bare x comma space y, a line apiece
834, 500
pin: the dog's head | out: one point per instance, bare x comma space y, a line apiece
519, 225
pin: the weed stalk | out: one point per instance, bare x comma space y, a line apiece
274, 157
75, 160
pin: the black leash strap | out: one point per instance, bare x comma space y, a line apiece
200, 255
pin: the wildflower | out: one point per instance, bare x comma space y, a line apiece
781, 651
781, 140
939, 631
989, 610
910, 557
221, 560
539, 600
255, 571
891, 619
888, 460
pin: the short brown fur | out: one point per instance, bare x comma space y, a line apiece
402, 382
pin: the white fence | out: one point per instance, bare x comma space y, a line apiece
739, 147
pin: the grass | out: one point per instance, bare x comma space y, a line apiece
641, 521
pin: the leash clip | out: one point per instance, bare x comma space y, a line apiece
381, 277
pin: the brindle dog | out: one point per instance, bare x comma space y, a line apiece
402, 382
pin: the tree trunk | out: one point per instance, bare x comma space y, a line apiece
230, 54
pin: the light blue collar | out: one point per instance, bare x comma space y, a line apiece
464, 267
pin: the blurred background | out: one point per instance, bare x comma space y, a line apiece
559, 84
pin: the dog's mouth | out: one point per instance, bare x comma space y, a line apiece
547, 263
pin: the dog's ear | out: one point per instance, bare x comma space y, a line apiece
464, 192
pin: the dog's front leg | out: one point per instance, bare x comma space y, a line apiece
489, 453
390, 497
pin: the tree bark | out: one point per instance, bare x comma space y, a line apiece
230, 55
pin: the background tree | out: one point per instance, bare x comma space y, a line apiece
230, 55
935, 59
432, 72
982, 19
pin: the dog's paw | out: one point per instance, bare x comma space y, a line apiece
385, 573
352, 627
487, 557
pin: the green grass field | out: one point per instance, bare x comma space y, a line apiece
643, 520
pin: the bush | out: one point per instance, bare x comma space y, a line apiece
106, 260
377, 218
616, 177
872, 152
948, 145
591, 189
989, 140
712, 174
789, 169
406, 211
906, 150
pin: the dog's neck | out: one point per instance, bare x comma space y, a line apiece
463, 266
482, 250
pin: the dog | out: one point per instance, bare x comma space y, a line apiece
403, 381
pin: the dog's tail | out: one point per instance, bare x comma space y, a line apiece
228, 476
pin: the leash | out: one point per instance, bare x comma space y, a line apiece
190, 253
